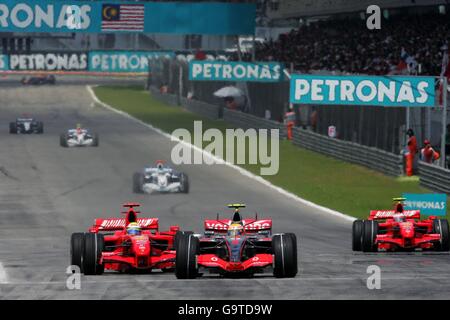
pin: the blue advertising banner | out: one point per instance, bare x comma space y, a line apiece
122, 61
235, 71
394, 91
4, 62
116, 16
432, 204
49, 61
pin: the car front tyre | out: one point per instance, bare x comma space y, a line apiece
370, 231
186, 258
77, 249
285, 255
93, 247
357, 229
138, 182
12, 128
441, 227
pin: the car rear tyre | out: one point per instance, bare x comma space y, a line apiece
357, 231
77, 249
186, 259
441, 226
12, 128
184, 181
285, 251
369, 234
93, 247
138, 182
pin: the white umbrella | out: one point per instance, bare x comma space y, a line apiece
228, 92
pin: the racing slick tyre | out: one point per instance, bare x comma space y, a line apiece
63, 140
178, 234
369, 234
186, 261
284, 248
138, 182
184, 181
12, 128
95, 140
441, 226
93, 247
357, 235
40, 127
77, 249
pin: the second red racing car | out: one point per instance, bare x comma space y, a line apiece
126, 244
400, 230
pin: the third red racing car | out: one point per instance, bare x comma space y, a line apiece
400, 230
124, 244
236, 247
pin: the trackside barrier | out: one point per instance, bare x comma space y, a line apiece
246, 121
236, 118
207, 110
166, 98
434, 177
376, 159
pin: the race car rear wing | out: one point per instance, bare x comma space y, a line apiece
250, 225
114, 224
386, 214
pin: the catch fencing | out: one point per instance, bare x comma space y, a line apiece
246, 121
382, 128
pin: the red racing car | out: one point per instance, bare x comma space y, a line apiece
236, 247
124, 244
400, 230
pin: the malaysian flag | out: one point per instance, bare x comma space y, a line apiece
123, 17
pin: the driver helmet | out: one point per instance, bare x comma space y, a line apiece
159, 165
235, 230
78, 128
134, 229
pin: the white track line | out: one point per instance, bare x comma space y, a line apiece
3, 276
219, 160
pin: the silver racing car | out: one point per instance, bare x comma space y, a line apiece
26, 125
160, 178
78, 137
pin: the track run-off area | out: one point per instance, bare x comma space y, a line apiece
47, 192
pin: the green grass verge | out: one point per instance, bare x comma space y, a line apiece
348, 188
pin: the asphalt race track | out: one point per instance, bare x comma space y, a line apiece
48, 192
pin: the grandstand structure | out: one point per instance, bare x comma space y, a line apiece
282, 11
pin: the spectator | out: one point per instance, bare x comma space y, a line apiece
348, 46
410, 155
230, 103
428, 154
